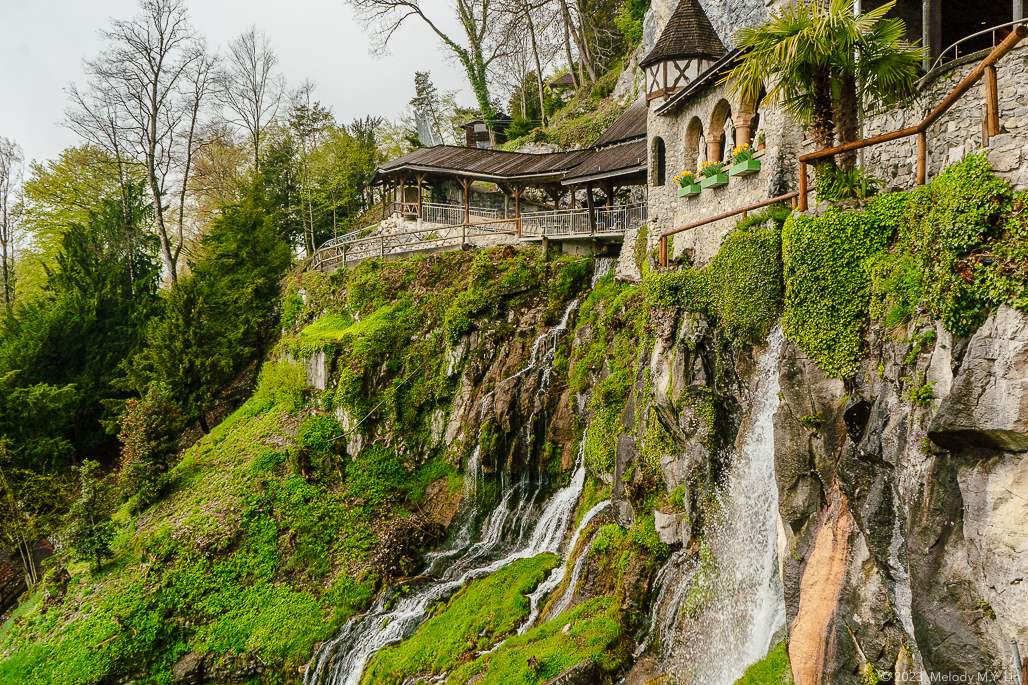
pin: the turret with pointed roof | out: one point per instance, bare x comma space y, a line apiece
687, 46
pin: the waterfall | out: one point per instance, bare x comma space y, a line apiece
602, 267
341, 660
562, 604
716, 617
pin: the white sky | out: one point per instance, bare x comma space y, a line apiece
43, 43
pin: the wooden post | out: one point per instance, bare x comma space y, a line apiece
922, 158
385, 194
382, 247
467, 201
992, 101
803, 187
663, 251
985, 125
420, 197
591, 206
517, 208
546, 248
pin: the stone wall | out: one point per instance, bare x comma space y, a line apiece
959, 131
666, 210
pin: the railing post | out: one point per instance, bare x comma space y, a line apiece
803, 187
663, 251
922, 157
992, 101
382, 247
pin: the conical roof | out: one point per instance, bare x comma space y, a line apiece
688, 34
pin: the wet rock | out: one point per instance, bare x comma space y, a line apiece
586, 672
669, 527
189, 670
988, 404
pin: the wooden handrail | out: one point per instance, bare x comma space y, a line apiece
920, 130
727, 215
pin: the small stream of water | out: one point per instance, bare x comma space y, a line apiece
504, 538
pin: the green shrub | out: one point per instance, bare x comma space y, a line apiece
281, 384
150, 428
774, 669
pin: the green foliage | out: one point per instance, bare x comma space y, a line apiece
519, 127
644, 535
459, 315
921, 394
90, 529
933, 266
741, 289
328, 327
150, 428
630, 20
223, 316
826, 284
480, 615
281, 384
774, 669
595, 633
811, 422
834, 184
607, 538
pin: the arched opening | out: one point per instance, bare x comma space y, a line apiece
720, 133
659, 160
695, 145
960, 19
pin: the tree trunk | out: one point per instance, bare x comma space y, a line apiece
203, 423
538, 64
567, 43
847, 118
822, 127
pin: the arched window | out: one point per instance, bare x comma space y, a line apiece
659, 162
694, 156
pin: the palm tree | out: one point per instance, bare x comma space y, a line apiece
825, 65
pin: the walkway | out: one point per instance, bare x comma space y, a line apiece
444, 230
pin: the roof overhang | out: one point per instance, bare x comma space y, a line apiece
626, 174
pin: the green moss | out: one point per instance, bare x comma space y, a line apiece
596, 633
480, 615
741, 289
283, 385
774, 669
328, 327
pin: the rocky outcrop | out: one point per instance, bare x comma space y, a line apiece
904, 530
988, 404
586, 672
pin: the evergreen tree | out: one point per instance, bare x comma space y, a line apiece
149, 434
90, 529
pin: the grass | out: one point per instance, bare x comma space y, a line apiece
596, 633
328, 327
476, 618
774, 669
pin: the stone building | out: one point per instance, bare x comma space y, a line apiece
692, 117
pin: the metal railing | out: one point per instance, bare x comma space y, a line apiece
453, 215
992, 32
565, 222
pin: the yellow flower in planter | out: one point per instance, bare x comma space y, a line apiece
708, 169
742, 153
685, 179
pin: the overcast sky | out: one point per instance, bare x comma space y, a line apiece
43, 43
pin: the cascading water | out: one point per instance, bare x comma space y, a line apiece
341, 660
716, 617
602, 267
561, 605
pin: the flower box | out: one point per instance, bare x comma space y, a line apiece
747, 168
689, 191
714, 181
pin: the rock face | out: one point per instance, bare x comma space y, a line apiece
904, 526
988, 404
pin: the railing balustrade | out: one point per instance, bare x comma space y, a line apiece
953, 52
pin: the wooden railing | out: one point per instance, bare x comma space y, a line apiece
987, 68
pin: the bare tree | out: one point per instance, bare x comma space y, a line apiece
11, 161
145, 95
476, 18
251, 91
